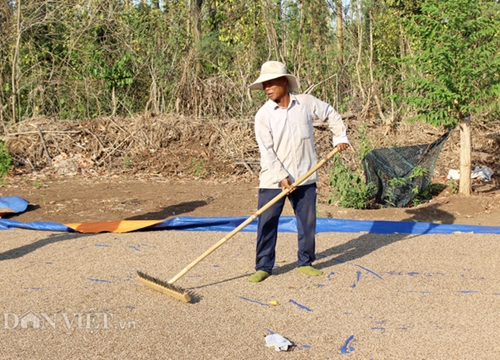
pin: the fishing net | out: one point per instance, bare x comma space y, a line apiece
400, 174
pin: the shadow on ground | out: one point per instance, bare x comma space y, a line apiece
51, 239
370, 242
178, 209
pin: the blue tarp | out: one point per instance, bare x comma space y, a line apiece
286, 224
14, 204
6, 224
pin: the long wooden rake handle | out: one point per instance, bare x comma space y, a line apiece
253, 217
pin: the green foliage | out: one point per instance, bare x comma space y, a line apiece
386, 40
349, 189
43, 197
455, 67
405, 7
453, 185
5, 159
428, 193
395, 183
76, 56
218, 53
197, 169
119, 74
127, 162
81, 59
364, 143
418, 171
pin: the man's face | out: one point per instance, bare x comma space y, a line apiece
276, 89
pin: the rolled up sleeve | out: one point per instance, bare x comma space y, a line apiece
326, 113
337, 127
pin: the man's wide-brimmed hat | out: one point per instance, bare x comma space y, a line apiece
272, 70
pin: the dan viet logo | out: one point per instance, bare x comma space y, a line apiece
91, 320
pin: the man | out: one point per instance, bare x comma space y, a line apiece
284, 132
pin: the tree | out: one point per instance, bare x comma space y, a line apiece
455, 67
340, 33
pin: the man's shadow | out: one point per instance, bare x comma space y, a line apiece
376, 238
28, 248
171, 210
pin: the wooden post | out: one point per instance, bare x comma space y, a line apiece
465, 155
340, 34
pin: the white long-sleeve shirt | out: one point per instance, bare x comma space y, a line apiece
286, 141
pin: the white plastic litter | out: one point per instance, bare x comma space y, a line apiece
279, 342
482, 172
453, 174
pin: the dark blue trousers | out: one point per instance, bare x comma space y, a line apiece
303, 201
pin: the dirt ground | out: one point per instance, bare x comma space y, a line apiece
109, 198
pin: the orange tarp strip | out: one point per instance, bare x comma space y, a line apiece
120, 226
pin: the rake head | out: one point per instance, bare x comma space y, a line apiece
164, 287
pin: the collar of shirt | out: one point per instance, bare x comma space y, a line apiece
293, 99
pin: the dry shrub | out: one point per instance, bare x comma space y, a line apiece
174, 145
167, 144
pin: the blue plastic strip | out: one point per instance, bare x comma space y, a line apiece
99, 280
15, 203
300, 305
399, 227
7, 224
348, 347
254, 301
370, 271
286, 224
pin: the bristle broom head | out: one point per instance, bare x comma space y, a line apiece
164, 287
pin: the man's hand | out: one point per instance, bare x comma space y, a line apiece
341, 147
287, 184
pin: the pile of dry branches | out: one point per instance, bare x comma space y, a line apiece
204, 148
165, 144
